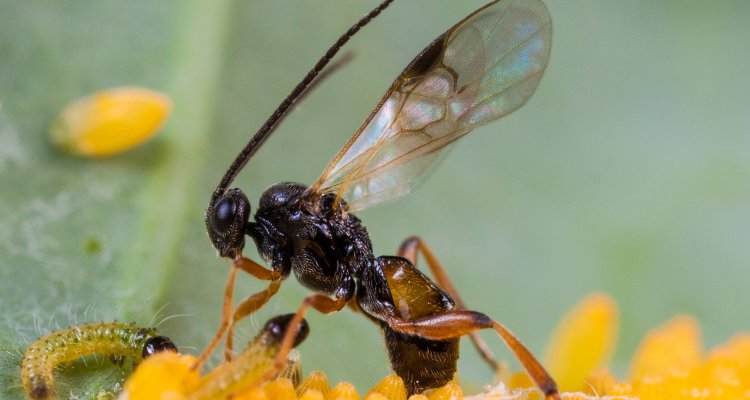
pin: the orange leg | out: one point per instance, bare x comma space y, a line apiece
322, 304
255, 269
409, 250
454, 324
250, 267
245, 308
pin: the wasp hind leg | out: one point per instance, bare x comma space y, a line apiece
454, 324
410, 249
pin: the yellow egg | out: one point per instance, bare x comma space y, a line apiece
110, 121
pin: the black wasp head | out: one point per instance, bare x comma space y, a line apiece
277, 327
157, 344
226, 218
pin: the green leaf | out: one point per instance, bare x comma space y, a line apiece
627, 171
96, 239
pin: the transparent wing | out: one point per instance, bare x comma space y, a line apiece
483, 68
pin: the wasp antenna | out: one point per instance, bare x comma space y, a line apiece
268, 127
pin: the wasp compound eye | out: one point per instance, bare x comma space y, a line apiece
224, 213
157, 344
226, 219
277, 327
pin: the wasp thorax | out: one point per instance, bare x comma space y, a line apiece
226, 218
280, 194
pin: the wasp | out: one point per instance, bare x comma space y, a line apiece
484, 67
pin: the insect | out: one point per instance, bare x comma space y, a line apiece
116, 339
169, 375
484, 67
253, 365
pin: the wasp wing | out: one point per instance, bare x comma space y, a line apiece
483, 68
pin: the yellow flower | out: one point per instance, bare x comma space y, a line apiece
669, 364
165, 376
587, 334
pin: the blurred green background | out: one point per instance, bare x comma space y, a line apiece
628, 172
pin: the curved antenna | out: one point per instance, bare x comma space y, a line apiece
268, 127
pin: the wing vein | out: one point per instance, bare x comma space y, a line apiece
483, 68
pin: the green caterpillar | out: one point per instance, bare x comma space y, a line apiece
116, 339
